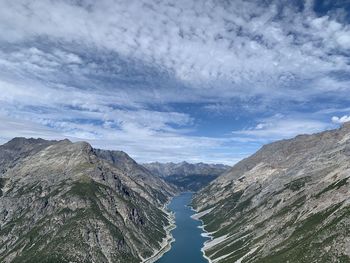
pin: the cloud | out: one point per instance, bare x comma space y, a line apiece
142, 143
281, 127
249, 46
144, 75
340, 120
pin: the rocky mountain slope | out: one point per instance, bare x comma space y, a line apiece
67, 202
186, 175
19, 148
289, 202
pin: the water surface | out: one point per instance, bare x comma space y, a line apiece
188, 239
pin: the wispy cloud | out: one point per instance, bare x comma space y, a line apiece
280, 127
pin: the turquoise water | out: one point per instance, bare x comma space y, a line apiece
188, 239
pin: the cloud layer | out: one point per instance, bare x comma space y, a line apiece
148, 76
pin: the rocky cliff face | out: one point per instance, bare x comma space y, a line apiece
67, 202
289, 202
185, 175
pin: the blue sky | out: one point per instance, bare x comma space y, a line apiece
173, 80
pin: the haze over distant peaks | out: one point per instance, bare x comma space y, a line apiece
188, 176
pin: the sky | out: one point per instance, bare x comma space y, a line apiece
173, 80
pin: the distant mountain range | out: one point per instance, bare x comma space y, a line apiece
68, 202
187, 176
289, 202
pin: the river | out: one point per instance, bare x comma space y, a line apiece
188, 239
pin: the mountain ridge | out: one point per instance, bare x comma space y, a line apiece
286, 202
62, 202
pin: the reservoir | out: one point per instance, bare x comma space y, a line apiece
188, 239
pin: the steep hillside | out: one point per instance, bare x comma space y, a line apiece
185, 175
66, 202
289, 202
157, 188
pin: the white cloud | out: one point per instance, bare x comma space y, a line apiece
245, 43
107, 71
142, 143
282, 127
340, 120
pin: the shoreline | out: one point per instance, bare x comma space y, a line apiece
204, 233
168, 240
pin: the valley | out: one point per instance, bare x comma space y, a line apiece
69, 202
174, 131
62, 201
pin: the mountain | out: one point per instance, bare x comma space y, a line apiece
159, 188
187, 176
19, 148
289, 202
68, 202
